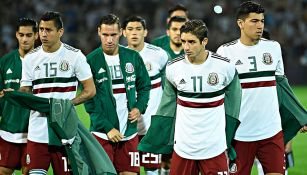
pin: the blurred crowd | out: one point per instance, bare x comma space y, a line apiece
286, 20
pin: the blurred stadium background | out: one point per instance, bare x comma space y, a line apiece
286, 20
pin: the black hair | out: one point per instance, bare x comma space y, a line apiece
177, 7
53, 16
248, 7
109, 19
27, 22
176, 19
134, 19
195, 27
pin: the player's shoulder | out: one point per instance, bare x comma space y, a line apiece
175, 61
34, 51
268, 42
70, 48
153, 48
10, 54
219, 58
229, 44
95, 53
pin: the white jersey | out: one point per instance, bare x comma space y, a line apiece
200, 116
119, 92
257, 66
52, 75
155, 60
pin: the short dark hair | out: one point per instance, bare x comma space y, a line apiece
177, 7
195, 27
27, 22
53, 16
109, 19
248, 7
176, 19
134, 19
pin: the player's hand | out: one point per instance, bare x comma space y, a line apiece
5, 90
114, 135
303, 129
134, 115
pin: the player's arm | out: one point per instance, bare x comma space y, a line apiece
26, 89
87, 92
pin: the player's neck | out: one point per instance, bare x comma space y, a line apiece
175, 47
200, 58
22, 52
248, 41
52, 48
138, 47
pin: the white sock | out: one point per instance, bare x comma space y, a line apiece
37, 172
164, 171
153, 172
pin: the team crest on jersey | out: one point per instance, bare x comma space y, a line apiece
148, 66
213, 79
129, 68
28, 159
267, 59
64, 66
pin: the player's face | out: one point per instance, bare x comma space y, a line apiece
49, 34
252, 27
135, 33
174, 32
109, 36
26, 38
192, 46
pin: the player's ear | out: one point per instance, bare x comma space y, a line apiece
205, 41
145, 32
124, 33
36, 35
61, 31
98, 31
240, 23
120, 31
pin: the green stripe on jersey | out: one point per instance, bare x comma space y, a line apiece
201, 95
121, 81
54, 80
257, 74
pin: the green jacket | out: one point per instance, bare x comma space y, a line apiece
102, 108
14, 119
164, 42
293, 115
160, 136
85, 154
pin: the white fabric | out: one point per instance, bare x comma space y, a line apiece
155, 60
259, 113
66, 62
200, 132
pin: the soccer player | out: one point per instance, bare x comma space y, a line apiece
52, 70
174, 47
177, 10
200, 138
123, 88
258, 61
14, 121
202, 95
155, 60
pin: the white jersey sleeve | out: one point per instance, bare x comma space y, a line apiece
280, 65
82, 69
27, 74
